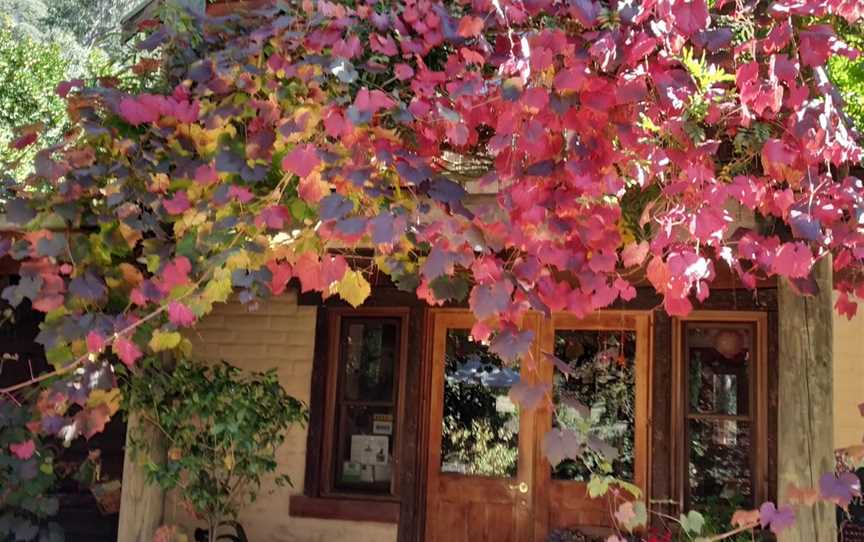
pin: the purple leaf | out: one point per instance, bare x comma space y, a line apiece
840, 489
28, 287
777, 520
437, 263
561, 444
490, 300
51, 246
526, 395
88, 287
334, 207
510, 345
18, 212
351, 226
446, 191
562, 366
585, 11
383, 229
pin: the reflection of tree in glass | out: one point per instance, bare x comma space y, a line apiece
603, 379
369, 363
480, 424
719, 461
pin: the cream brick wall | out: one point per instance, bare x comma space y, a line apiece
281, 335
848, 379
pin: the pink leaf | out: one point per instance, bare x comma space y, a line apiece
206, 174
23, 450
301, 160
274, 217
177, 204
634, 253
403, 71
141, 110
470, 26
240, 193
180, 315
95, 342
127, 351
175, 273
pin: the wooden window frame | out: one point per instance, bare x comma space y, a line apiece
329, 420
758, 400
321, 500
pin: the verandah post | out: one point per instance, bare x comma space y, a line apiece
805, 440
141, 503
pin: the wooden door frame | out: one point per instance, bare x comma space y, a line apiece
640, 321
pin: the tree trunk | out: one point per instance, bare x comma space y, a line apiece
141, 504
805, 439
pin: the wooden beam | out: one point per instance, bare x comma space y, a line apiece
805, 411
141, 503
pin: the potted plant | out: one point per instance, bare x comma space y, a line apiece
222, 427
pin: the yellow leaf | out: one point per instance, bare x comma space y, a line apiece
229, 461
238, 260
353, 288
164, 340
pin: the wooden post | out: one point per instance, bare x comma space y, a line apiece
805, 440
141, 504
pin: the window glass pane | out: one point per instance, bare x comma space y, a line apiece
718, 357
365, 425
597, 400
365, 449
719, 462
480, 427
369, 347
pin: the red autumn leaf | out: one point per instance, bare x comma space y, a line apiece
308, 269
274, 217
470, 26
23, 450
281, 273
24, 141
301, 160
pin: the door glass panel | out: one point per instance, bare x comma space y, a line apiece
480, 426
365, 449
596, 401
719, 356
719, 464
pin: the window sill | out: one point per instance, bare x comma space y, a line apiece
344, 509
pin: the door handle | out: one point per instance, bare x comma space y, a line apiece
521, 488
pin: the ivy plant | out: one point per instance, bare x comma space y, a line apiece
222, 426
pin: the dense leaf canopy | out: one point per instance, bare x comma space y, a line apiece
609, 138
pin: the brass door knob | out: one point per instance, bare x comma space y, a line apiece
521, 488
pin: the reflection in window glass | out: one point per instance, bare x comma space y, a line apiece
366, 404
718, 359
719, 463
597, 399
480, 426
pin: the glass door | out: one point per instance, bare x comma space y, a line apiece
480, 465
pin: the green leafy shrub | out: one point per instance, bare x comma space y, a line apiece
223, 427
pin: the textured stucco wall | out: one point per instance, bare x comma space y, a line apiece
279, 334
848, 379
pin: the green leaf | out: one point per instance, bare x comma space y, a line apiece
445, 287
597, 486
693, 522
